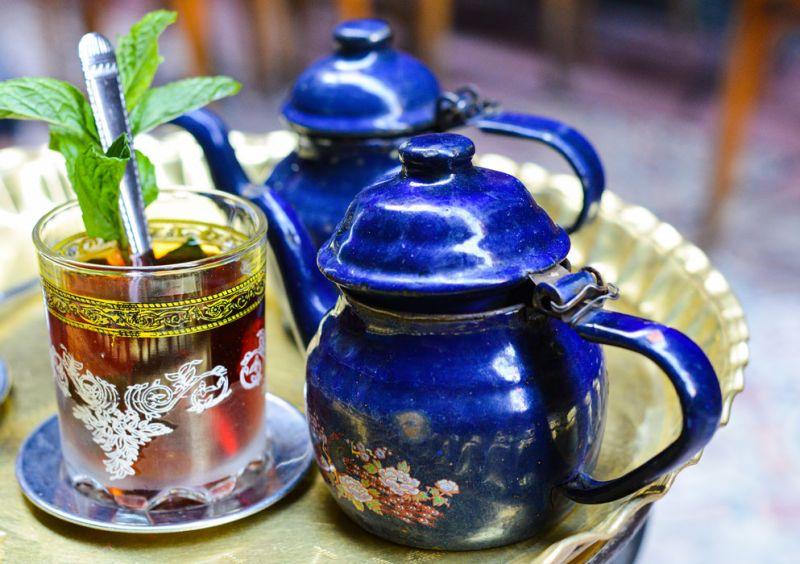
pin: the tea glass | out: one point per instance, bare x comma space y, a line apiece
159, 370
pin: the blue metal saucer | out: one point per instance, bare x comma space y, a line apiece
39, 473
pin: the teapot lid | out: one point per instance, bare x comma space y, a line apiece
441, 225
365, 88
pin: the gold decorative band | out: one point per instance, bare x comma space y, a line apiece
164, 319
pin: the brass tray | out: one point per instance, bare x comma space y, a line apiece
661, 276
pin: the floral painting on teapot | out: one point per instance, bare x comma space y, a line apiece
375, 479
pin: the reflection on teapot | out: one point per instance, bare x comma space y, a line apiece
457, 392
352, 110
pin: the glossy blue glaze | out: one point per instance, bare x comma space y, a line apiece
436, 228
365, 89
320, 182
690, 373
503, 407
506, 406
571, 144
463, 429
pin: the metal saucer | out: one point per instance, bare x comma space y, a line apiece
40, 475
5, 382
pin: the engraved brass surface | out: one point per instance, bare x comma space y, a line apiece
660, 275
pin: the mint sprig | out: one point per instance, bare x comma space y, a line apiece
95, 175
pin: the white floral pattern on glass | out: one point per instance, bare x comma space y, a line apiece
122, 432
251, 369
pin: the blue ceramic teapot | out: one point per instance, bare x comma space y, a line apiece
456, 393
352, 110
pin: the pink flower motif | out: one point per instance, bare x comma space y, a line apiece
447, 487
399, 482
380, 453
354, 490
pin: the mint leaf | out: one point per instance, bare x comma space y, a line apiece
70, 146
95, 179
106, 217
147, 178
119, 148
137, 54
159, 105
53, 101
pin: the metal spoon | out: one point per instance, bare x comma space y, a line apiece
107, 99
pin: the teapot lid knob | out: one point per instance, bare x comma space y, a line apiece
362, 35
436, 153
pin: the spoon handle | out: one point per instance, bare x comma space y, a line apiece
107, 99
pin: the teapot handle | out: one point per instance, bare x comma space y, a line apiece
690, 373
571, 144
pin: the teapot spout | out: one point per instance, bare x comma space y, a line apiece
309, 293
211, 134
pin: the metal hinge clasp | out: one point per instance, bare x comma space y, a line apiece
571, 295
456, 108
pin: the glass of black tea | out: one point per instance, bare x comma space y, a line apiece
159, 370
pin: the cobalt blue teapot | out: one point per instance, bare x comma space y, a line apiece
352, 110
456, 393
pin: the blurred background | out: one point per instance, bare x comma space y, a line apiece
694, 106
